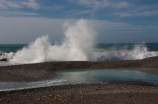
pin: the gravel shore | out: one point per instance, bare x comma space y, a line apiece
133, 93
42, 71
84, 94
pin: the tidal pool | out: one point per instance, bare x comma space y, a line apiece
90, 76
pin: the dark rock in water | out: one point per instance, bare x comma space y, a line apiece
1, 58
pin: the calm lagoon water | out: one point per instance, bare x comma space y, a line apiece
86, 76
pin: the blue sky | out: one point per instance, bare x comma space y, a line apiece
115, 21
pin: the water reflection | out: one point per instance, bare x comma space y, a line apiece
96, 76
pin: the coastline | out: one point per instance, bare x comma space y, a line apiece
84, 94
132, 93
46, 70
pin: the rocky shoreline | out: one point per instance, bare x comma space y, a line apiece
133, 93
42, 71
84, 94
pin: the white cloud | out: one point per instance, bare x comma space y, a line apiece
2, 6
16, 13
137, 14
94, 3
100, 4
5, 4
145, 10
27, 29
12, 8
8, 4
31, 4
120, 5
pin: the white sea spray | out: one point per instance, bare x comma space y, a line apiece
139, 51
78, 45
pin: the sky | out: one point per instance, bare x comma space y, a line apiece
115, 21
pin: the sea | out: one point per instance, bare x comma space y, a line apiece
100, 46
43, 52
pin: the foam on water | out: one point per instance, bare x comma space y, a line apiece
78, 45
138, 52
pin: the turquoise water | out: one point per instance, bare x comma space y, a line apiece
108, 75
86, 76
105, 46
11, 47
127, 46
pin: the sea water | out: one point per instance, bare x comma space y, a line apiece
90, 76
98, 46
100, 52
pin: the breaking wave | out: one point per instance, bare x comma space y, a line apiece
139, 51
78, 45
